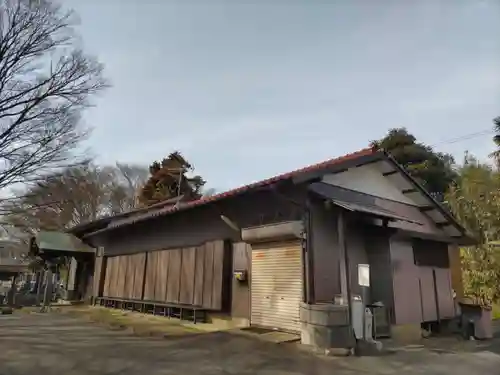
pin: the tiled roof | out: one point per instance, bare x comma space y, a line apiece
106, 220
240, 190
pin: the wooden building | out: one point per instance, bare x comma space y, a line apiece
256, 252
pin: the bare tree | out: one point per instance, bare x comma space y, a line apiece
77, 195
60, 201
45, 82
129, 179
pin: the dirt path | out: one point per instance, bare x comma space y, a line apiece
58, 344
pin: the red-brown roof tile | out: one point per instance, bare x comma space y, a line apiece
245, 188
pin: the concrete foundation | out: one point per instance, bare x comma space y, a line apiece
326, 326
223, 321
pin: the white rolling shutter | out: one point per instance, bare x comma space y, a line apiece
276, 285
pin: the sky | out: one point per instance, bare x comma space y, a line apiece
249, 89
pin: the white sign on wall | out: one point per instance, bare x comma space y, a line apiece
364, 274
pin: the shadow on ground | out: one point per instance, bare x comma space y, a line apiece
60, 344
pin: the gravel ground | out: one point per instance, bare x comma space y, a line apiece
60, 344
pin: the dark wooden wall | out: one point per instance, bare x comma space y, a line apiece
406, 288
431, 253
198, 225
379, 257
324, 241
240, 302
188, 276
456, 270
99, 275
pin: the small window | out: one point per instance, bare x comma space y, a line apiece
431, 253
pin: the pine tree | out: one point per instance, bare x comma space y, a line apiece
169, 179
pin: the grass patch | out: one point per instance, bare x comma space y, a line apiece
136, 323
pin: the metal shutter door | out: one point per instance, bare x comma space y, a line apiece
276, 285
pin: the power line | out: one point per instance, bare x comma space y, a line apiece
465, 137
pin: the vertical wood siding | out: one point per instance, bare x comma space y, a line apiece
406, 285
379, 258
99, 276
240, 300
150, 277
187, 276
427, 294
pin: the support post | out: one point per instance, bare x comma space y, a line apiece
345, 285
70, 290
11, 294
47, 295
310, 295
39, 285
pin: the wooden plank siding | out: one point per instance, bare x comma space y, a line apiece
150, 277
110, 278
217, 275
99, 276
121, 277
199, 275
128, 266
160, 279
140, 263
107, 277
208, 275
173, 266
187, 276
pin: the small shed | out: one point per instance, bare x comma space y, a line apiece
52, 244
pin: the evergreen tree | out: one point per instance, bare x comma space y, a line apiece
434, 170
169, 179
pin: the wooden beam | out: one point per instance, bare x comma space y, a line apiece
409, 191
426, 208
389, 173
426, 194
443, 224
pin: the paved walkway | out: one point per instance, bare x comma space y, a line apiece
58, 344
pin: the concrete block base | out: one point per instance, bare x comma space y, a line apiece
326, 326
327, 337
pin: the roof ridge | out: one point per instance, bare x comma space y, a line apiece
352, 155
244, 188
